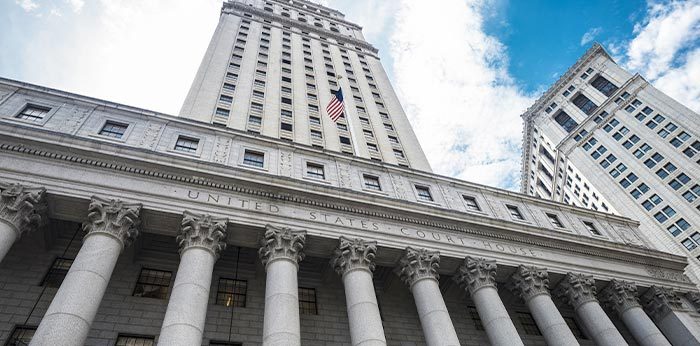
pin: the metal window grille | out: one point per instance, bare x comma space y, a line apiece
232, 292
424, 193
471, 203
135, 340
57, 272
307, 301
153, 283
21, 335
187, 144
528, 324
253, 158
33, 113
474, 314
372, 183
515, 212
113, 129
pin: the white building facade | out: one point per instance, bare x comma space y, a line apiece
123, 226
604, 139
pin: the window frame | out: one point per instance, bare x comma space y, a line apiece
246, 163
167, 287
174, 145
32, 103
233, 293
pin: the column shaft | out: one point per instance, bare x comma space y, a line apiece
598, 325
363, 312
434, 318
680, 329
187, 308
495, 318
642, 328
549, 321
8, 236
281, 322
68, 319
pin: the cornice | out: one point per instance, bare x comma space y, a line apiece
604, 249
309, 3
228, 6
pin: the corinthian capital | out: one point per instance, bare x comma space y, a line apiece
576, 289
476, 273
354, 254
660, 301
282, 243
620, 295
694, 298
417, 264
203, 231
114, 218
528, 282
22, 207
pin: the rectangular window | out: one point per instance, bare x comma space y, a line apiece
604, 86
399, 154
424, 193
226, 99
591, 228
187, 144
254, 120
286, 113
474, 315
232, 292
21, 335
554, 219
316, 134
315, 171
344, 140
528, 323
33, 113
113, 129
471, 203
286, 126
57, 272
135, 340
689, 244
307, 301
571, 322
229, 87
565, 121
584, 104
153, 283
315, 120
253, 158
372, 182
222, 112
515, 212
393, 139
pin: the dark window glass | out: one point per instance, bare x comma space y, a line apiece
515, 212
315, 171
113, 129
424, 193
232, 292
135, 340
21, 335
307, 301
584, 104
372, 183
604, 86
187, 144
591, 228
57, 272
474, 315
344, 140
555, 220
254, 158
33, 113
471, 203
565, 121
152, 283
286, 126
571, 322
528, 323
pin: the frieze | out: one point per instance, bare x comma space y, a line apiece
666, 275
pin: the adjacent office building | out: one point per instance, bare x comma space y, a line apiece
252, 218
604, 139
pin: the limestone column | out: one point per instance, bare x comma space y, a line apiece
666, 310
579, 291
281, 252
621, 296
531, 284
418, 269
353, 259
201, 239
21, 210
111, 226
478, 277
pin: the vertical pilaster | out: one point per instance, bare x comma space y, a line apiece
280, 253
666, 309
353, 259
579, 291
478, 277
621, 296
111, 226
418, 269
201, 239
21, 210
531, 284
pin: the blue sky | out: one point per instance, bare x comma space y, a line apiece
464, 69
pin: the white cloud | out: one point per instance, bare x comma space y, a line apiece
452, 79
666, 50
27, 5
590, 35
76, 5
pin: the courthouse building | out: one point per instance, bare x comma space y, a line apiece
253, 219
605, 139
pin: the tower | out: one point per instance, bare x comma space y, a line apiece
271, 67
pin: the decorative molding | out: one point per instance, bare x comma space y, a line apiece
528, 282
398, 183
114, 218
418, 264
285, 163
202, 231
354, 254
282, 243
476, 273
75, 118
620, 296
660, 301
222, 149
22, 207
694, 298
659, 273
344, 175
149, 140
551, 243
576, 289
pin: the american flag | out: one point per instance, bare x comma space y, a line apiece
336, 107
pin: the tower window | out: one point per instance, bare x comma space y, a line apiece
254, 158
424, 193
584, 104
604, 86
515, 213
113, 129
471, 203
591, 228
372, 182
554, 219
315, 171
187, 144
565, 121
